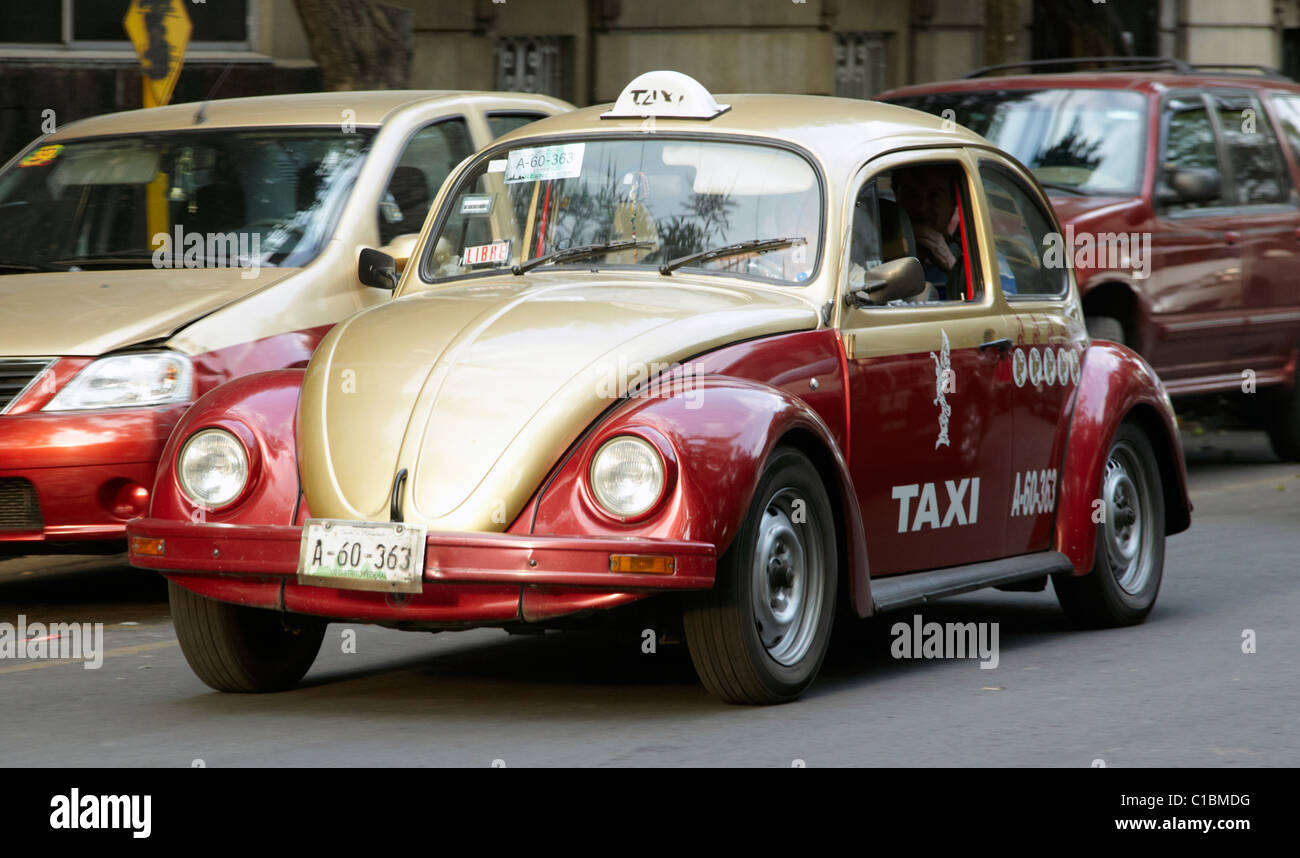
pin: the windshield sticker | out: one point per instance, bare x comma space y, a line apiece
497, 165
487, 254
545, 163
476, 204
42, 156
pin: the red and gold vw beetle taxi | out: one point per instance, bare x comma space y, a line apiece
757, 357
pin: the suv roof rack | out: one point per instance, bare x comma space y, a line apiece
1135, 64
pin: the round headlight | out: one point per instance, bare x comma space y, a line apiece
627, 476
212, 468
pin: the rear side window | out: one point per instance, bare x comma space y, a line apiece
1190, 143
1258, 169
1022, 231
429, 157
503, 123
1287, 110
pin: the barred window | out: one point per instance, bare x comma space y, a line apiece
538, 64
861, 64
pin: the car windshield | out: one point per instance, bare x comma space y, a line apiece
1088, 141
654, 199
103, 202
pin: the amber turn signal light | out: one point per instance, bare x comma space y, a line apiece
641, 564
146, 547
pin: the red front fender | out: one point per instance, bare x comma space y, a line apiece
259, 409
720, 432
1116, 385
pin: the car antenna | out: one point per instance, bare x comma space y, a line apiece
199, 115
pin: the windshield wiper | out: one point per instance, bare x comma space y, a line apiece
14, 265
571, 253
757, 245
1061, 186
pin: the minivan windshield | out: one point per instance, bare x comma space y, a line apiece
657, 202
1082, 141
106, 202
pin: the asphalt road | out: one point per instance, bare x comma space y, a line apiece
1176, 691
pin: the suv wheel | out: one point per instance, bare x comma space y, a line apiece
1284, 427
1105, 328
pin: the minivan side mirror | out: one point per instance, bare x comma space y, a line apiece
892, 281
1190, 185
376, 268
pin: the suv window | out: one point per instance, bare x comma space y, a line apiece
920, 210
1190, 142
1287, 110
1022, 232
1258, 169
429, 157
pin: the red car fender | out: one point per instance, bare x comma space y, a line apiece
260, 410
1116, 385
715, 436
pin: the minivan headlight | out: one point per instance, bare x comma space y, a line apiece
121, 381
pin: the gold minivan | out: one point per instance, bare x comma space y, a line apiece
148, 256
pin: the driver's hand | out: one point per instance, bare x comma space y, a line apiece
936, 245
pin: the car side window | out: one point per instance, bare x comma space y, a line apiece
1189, 143
428, 158
1287, 110
923, 211
503, 123
1022, 233
1258, 170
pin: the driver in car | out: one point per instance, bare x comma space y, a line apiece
927, 193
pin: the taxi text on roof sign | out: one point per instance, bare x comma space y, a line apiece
667, 94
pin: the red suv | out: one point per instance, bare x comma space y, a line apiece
1176, 189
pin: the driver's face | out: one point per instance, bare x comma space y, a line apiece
928, 199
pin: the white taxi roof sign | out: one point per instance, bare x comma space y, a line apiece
665, 94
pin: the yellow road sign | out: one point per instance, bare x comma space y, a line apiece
159, 30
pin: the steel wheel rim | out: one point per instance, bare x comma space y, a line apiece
1127, 533
786, 578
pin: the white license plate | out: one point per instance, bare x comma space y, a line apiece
362, 555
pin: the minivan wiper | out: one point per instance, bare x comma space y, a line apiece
569, 254
757, 245
14, 265
1061, 186
129, 255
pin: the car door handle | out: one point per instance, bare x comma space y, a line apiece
1002, 344
1231, 237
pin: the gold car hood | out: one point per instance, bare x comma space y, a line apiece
478, 389
87, 313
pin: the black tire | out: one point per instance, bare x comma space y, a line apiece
1122, 586
1284, 428
736, 657
1106, 328
241, 649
